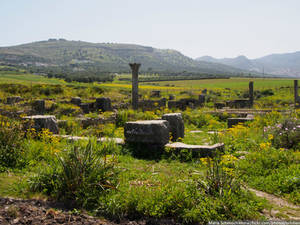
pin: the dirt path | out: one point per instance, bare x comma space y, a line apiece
281, 209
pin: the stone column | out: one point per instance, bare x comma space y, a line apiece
251, 94
135, 84
296, 91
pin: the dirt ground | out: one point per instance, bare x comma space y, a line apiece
37, 212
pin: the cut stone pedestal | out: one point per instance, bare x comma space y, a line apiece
176, 125
76, 101
39, 106
147, 132
44, 121
103, 104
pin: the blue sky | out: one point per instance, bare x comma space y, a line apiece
220, 28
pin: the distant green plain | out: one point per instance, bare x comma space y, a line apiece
233, 83
13, 77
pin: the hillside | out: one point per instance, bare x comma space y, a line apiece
277, 64
107, 57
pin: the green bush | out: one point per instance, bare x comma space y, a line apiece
11, 144
79, 176
285, 134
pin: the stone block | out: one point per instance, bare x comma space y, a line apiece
201, 99
103, 104
203, 150
171, 97
154, 132
234, 121
44, 121
13, 100
155, 94
238, 103
176, 125
76, 101
85, 107
219, 105
39, 106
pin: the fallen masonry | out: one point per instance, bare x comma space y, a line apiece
204, 150
43, 122
118, 141
147, 132
176, 125
13, 100
234, 121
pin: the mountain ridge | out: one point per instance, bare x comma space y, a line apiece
287, 64
108, 57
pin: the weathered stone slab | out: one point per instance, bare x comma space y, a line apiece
155, 94
238, 103
208, 132
39, 106
147, 132
219, 105
103, 104
118, 141
171, 97
13, 100
234, 121
86, 107
152, 104
76, 101
176, 125
44, 121
204, 150
201, 99
196, 131
182, 104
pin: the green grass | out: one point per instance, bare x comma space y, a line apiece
12, 77
233, 83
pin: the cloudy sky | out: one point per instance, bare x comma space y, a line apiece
219, 28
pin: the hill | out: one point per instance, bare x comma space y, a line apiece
287, 64
60, 55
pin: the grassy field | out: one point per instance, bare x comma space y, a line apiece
233, 83
11, 77
135, 181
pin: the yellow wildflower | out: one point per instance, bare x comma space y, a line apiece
270, 137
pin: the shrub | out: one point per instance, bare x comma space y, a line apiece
122, 118
285, 134
79, 176
11, 144
219, 178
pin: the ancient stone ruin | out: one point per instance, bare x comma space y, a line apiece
154, 132
39, 106
176, 125
13, 100
296, 96
155, 94
182, 104
135, 84
240, 103
43, 121
152, 104
103, 104
234, 121
76, 101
